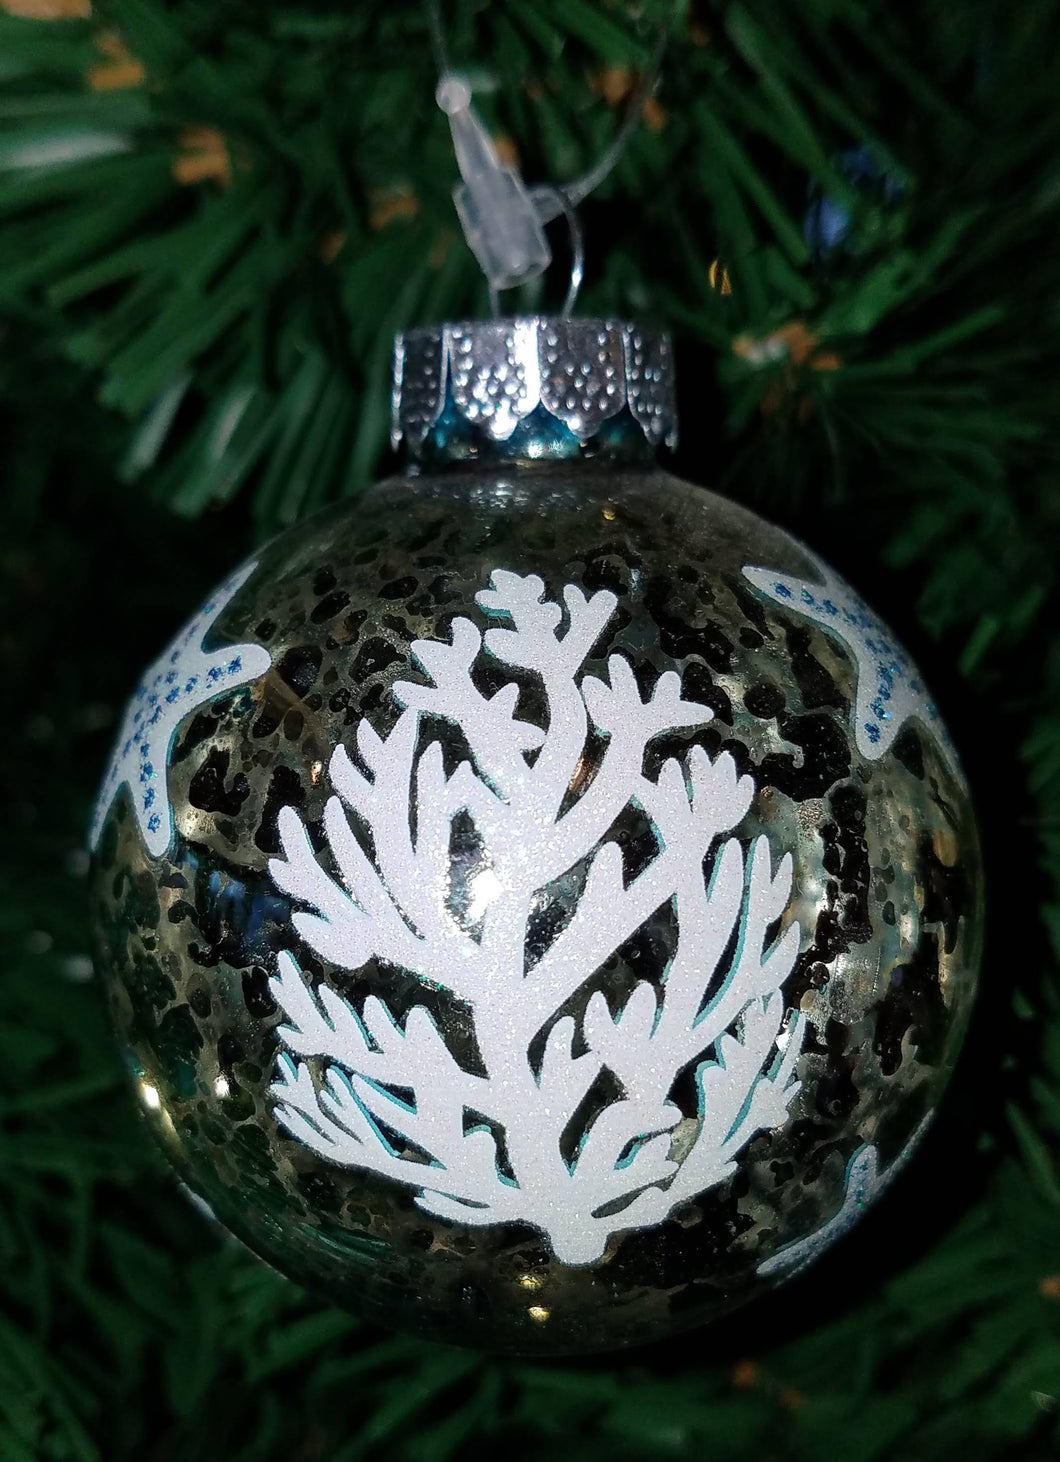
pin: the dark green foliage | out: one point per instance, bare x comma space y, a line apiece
906, 424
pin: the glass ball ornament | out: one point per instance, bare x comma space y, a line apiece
539, 900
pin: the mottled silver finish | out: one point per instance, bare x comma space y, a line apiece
886, 893
582, 372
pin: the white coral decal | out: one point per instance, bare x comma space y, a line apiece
494, 1144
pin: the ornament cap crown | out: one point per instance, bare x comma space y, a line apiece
532, 387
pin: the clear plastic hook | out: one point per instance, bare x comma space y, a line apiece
501, 222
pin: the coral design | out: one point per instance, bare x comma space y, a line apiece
494, 1144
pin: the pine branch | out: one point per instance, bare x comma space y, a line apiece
906, 380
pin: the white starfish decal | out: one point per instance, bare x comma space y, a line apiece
864, 1184
183, 678
889, 689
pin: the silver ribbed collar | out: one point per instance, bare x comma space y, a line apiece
496, 372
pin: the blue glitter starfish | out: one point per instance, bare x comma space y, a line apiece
182, 679
889, 689
864, 1184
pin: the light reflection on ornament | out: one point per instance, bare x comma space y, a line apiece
483, 888
583, 775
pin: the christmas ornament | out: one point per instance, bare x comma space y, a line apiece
539, 900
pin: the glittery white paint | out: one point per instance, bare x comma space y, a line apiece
889, 689
484, 1146
864, 1184
183, 678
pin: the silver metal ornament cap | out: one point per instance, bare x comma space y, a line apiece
540, 386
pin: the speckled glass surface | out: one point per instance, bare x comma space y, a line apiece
885, 890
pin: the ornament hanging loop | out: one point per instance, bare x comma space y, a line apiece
496, 212
577, 244
504, 221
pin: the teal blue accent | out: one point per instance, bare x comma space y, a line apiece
725, 985
635, 1147
341, 1075
391, 1097
855, 1158
539, 437
741, 941
503, 1177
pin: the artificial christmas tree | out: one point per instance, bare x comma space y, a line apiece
213, 220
